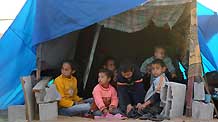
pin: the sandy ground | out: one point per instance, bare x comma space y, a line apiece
78, 119
3, 118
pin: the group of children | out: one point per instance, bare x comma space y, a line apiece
119, 91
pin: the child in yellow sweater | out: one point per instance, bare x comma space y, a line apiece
70, 104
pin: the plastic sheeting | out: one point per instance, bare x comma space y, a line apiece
40, 21
208, 37
17, 58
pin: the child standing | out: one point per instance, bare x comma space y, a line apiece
70, 104
159, 53
105, 95
152, 98
130, 87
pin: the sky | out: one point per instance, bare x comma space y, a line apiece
8, 11
212, 4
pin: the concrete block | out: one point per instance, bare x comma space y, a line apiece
199, 93
48, 111
202, 110
173, 99
52, 94
17, 113
39, 90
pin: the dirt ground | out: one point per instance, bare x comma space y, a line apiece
78, 119
3, 118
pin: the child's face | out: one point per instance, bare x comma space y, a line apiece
159, 53
103, 79
127, 74
67, 70
110, 65
157, 70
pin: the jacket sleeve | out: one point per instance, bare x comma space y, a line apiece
160, 84
64, 102
170, 65
98, 99
114, 98
144, 65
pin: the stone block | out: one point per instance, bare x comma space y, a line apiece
199, 93
48, 111
16, 113
201, 110
173, 99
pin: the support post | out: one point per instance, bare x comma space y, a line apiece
39, 65
87, 71
195, 67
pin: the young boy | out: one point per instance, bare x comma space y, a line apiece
105, 95
159, 53
70, 104
152, 101
110, 64
130, 87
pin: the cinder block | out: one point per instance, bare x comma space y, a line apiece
199, 93
40, 91
52, 94
17, 113
173, 99
48, 111
202, 110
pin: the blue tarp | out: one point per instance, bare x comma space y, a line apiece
208, 37
43, 20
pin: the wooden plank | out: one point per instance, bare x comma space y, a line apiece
29, 98
189, 95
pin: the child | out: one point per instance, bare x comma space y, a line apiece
159, 53
105, 96
109, 63
152, 98
130, 87
70, 104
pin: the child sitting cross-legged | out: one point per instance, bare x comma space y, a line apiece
130, 88
70, 103
105, 95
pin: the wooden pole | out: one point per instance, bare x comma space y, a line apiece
39, 65
195, 68
87, 71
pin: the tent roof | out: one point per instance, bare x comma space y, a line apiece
160, 12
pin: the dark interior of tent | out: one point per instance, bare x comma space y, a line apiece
136, 46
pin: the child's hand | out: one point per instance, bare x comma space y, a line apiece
173, 75
140, 106
111, 108
105, 111
129, 108
80, 102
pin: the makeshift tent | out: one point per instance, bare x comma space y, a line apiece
41, 26
33, 25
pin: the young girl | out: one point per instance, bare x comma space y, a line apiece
152, 98
130, 87
66, 84
105, 96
